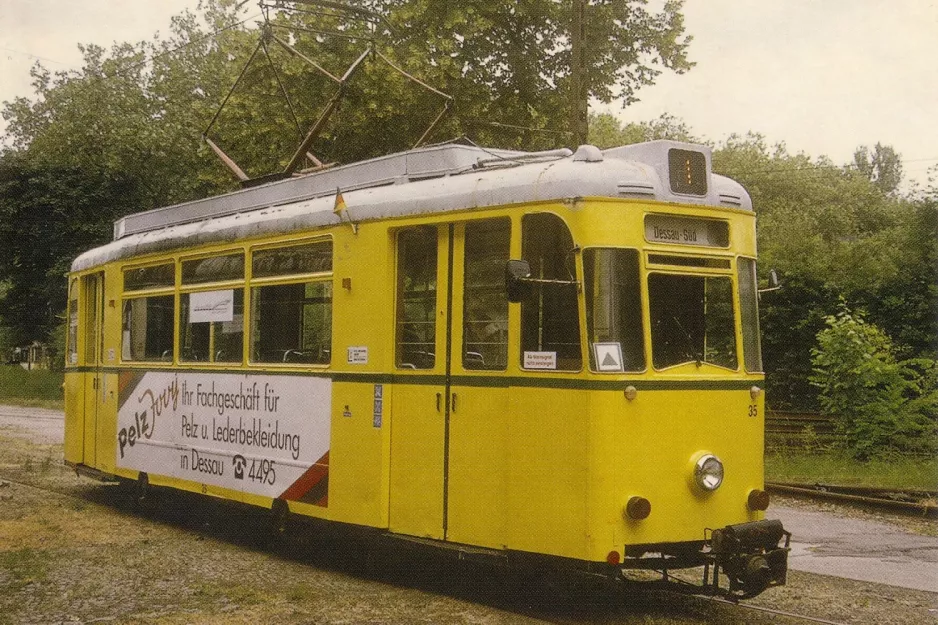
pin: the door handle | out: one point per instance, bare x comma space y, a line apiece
439, 399
454, 402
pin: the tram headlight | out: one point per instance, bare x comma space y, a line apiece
708, 472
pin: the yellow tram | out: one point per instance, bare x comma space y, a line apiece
546, 355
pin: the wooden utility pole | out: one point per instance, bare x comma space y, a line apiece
579, 88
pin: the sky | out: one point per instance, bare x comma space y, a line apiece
822, 76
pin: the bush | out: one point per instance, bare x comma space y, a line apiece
879, 404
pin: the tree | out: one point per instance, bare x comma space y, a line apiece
141, 108
135, 110
48, 215
882, 166
607, 132
511, 62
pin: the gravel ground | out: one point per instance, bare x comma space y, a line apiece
84, 555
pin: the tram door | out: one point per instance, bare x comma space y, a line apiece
420, 404
477, 450
449, 429
92, 291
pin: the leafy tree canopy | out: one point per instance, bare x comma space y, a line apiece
48, 215
141, 108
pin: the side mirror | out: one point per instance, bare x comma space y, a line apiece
517, 274
774, 283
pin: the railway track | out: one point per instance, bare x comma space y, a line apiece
921, 502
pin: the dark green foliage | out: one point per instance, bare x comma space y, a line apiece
791, 319
48, 215
907, 304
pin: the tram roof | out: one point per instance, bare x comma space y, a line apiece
423, 181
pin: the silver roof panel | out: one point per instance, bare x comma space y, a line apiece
439, 179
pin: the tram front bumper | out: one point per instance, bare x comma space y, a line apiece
752, 556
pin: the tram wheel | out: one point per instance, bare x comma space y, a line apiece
144, 498
279, 518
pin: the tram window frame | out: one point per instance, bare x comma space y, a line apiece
226, 266
147, 290
681, 335
550, 314
71, 349
157, 344
748, 286
215, 341
302, 302
487, 247
152, 276
416, 292
616, 295
219, 337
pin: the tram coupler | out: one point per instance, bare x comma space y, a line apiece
752, 556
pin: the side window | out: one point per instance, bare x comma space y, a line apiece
415, 326
749, 313
211, 326
291, 304
72, 351
485, 302
614, 310
148, 329
147, 318
550, 322
211, 321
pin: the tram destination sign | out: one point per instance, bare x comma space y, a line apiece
686, 231
259, 434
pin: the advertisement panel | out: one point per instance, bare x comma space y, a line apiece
261, 434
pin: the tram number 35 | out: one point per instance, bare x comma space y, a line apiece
754, 410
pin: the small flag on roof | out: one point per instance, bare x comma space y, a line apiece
339, 203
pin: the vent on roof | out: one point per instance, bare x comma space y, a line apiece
727, 199
635, 189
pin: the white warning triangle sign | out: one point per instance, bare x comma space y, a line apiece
608, 356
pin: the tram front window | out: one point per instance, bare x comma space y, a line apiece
691, 320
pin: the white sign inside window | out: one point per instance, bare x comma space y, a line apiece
211, 306
540, 360
608, 356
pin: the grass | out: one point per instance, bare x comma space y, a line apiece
30, 388
26, 566
837, 467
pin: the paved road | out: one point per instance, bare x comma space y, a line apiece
822, 542
859, 549
39, 425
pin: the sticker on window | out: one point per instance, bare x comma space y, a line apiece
608, 356
540, 360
